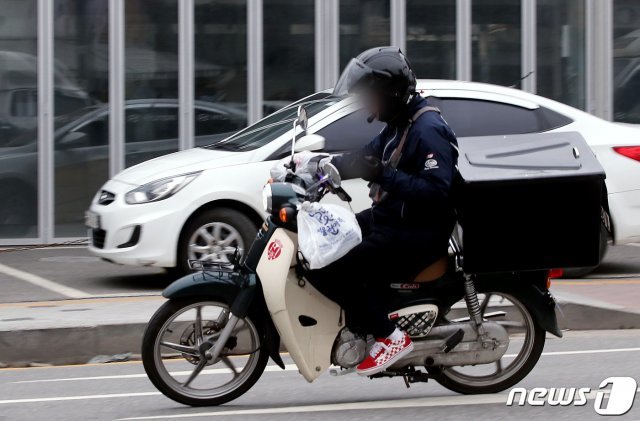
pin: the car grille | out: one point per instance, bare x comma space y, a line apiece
106, 198
98, 237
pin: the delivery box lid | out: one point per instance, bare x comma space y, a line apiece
526, 156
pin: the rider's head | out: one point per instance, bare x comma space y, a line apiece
383, 78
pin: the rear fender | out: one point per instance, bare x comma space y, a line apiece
531, 289
225, 286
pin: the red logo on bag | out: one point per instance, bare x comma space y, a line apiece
274, 249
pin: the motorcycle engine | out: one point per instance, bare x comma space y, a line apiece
349, 349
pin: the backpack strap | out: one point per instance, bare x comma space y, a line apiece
376, 193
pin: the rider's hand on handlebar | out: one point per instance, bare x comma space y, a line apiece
372, 168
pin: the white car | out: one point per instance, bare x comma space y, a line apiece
203, 202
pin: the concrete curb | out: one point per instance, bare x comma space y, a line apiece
77, 345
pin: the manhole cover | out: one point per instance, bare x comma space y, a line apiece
70, 259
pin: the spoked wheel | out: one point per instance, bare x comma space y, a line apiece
526, 341
176, 353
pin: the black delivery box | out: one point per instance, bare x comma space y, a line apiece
529, 202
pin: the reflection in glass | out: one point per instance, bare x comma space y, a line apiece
151, 66
220, 69
626, 61
496, 41
81, 138
18, 119
363, 24
431, 38
561, 51
289, 53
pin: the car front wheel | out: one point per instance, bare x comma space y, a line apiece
213, 236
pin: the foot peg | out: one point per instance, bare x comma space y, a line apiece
339, 371
453, 341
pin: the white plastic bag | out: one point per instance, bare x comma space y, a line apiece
326, 232
301, 159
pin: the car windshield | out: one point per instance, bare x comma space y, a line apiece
273, 126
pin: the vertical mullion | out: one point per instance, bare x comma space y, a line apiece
606, 39
254, 61
463, 39
590, 55
398, 15
186, 73
319, 44
327, 43
529, 45
116, 86
45, 121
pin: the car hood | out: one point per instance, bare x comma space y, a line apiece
191, 160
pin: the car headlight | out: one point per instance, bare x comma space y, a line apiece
266, 198
159, 189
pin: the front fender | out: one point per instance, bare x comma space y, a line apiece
531, 289
244, 300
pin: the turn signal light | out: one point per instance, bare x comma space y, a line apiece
284, 217
632, 152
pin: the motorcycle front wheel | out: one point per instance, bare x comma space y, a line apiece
174, 353
526, 342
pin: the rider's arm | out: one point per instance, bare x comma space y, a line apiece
434, 180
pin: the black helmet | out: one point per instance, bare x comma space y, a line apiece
384, 72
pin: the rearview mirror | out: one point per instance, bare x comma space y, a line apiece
302, 120
310, 142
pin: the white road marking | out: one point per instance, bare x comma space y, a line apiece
293, 367
43, 283
588, 351
78, 398
269, 368
500, 398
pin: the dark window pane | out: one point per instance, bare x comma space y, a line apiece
151, 63
496, 41
18, 119
289, 52
431, 38
220, 44
363, 24
561, 49
626, 61
471, 117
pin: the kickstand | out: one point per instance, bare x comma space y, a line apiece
405, 377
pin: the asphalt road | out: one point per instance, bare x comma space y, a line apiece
122, 391
71, 272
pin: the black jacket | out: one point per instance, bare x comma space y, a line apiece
419, 189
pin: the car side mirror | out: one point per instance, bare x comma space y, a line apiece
73, 140
310, 142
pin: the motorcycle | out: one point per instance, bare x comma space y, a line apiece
211, 341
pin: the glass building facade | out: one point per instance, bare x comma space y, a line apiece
91, 87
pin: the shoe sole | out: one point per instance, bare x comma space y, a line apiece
398, 356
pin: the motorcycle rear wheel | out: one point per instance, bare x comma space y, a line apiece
170, 350
504, 377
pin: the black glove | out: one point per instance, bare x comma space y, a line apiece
371, 168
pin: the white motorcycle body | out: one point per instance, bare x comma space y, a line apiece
307, 321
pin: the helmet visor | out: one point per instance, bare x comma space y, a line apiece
354, 77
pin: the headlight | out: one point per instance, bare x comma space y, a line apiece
266, 198
159, 189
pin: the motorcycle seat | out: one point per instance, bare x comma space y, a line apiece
434, 271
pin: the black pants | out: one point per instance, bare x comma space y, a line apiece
359, 281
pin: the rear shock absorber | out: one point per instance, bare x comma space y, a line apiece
473, 305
